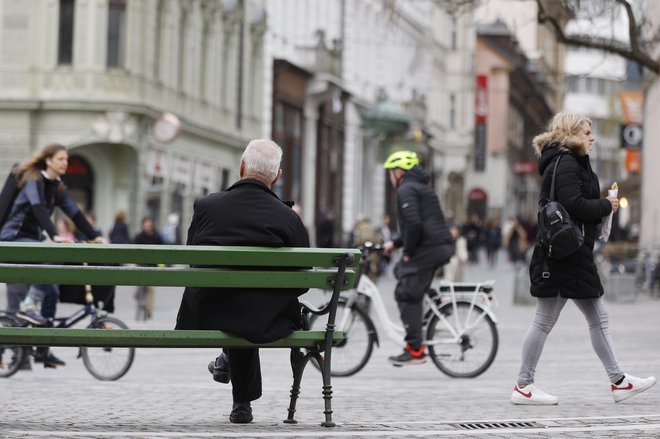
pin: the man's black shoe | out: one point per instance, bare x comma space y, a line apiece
49, 360
220, 369
241, 413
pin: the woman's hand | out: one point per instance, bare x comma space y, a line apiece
614, 201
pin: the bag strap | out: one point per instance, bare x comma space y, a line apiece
552, 185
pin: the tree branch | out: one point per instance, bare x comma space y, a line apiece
632, 25
633, 53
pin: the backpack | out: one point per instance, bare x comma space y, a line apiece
8, 194
559, 235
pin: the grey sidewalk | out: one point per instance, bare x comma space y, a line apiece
169, 393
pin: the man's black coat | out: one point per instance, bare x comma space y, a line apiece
248, 213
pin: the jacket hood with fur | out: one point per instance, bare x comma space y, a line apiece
565, 143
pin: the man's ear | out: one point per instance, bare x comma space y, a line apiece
241, 170
279, 174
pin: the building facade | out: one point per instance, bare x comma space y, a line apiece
353, 81
101, 76
512, 109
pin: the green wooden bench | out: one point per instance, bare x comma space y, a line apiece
223, 266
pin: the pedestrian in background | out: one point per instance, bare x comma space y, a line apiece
493, 241
247, 213
147, 236
171, 233
515, 241
472, 231
453, 271
554, 281
119, 231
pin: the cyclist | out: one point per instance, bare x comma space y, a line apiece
427, 245
40, 190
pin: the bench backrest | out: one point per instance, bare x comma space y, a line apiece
177, 265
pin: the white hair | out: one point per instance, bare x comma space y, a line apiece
262, 159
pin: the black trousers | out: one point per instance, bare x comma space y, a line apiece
245, 368
414, 279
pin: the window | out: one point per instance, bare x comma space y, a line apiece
116, 32
65, 41
452, 111
454, 34
239, 67
158, 37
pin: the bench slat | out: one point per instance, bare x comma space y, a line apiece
151, 338
175, 277
173, 254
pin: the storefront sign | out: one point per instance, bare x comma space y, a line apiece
633, 161
157, 165
182, 170
632, 135
632, 106
481, 115
524, 167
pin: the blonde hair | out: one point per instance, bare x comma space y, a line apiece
563, 129
262, 160
568, 124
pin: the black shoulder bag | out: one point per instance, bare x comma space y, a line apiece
559, 235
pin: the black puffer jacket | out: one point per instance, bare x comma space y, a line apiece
578, 190
421, 220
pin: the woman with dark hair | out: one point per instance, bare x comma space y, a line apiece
575, 277
40, 190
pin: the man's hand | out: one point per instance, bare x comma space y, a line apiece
388, 247
99, 240
405, 258
62, 239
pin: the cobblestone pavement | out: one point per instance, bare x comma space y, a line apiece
169, 393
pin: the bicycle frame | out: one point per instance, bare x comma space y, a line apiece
66, 322
396, 332
471, 297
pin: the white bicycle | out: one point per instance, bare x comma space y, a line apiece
459, 325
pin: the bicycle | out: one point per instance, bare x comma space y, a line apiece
459, 325
105, 363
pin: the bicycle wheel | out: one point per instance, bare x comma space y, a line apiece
349, 357
11, 357
108, 364
473, 351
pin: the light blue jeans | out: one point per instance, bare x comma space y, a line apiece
46, 294
547, 313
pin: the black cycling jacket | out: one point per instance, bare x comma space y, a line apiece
421, 220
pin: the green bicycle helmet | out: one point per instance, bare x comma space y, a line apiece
402, 159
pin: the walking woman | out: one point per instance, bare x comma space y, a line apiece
574, 277
40, 190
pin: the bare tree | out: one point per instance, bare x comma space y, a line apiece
641, 36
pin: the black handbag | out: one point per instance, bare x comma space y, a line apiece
559, 235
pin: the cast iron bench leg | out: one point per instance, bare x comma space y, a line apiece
298, 366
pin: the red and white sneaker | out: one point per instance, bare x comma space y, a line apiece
631, 386
532, 395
